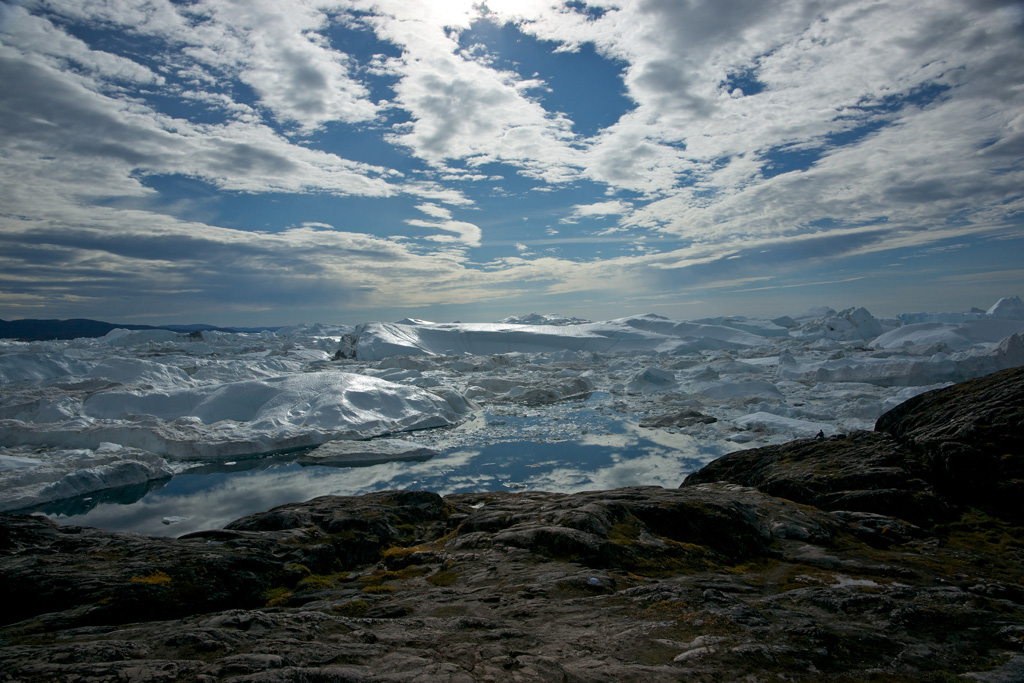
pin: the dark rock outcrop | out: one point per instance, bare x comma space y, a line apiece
876, 556
71, 576
863, 472
962, 445
970, 436
352, 531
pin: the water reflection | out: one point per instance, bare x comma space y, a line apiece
120, 495
212, 496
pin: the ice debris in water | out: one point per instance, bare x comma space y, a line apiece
134, 406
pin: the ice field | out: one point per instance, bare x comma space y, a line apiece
166, 433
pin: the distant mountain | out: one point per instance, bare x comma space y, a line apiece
35, 330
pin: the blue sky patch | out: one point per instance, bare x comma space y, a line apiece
585, 86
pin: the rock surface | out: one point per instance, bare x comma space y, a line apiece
891, 555
973, 454
962, 444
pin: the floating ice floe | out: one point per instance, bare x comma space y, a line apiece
650, 380
29, 479
500, 390
748, 389
361, 453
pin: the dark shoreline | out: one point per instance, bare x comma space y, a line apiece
31, 329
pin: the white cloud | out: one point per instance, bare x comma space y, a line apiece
463, 109
110, 141
278, 50
437, 193
611, 207
464, 233
149, 17
435, 211
30, 33
275, 48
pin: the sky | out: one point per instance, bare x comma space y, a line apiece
272, 162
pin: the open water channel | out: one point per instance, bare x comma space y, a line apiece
584, 445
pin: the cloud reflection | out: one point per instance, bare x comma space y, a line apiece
213, 500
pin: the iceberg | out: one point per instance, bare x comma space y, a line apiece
376, 341
35, 366
652, 379
849, 325
923, 334
246, 418
539, 319
1007, 307
30, 480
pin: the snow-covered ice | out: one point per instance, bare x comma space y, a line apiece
32, 477
229, 419
1007, 307
359, 453
780, 424
133, 407
641, 334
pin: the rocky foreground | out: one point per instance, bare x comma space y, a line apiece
893, 555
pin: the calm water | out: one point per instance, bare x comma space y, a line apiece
617, 453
